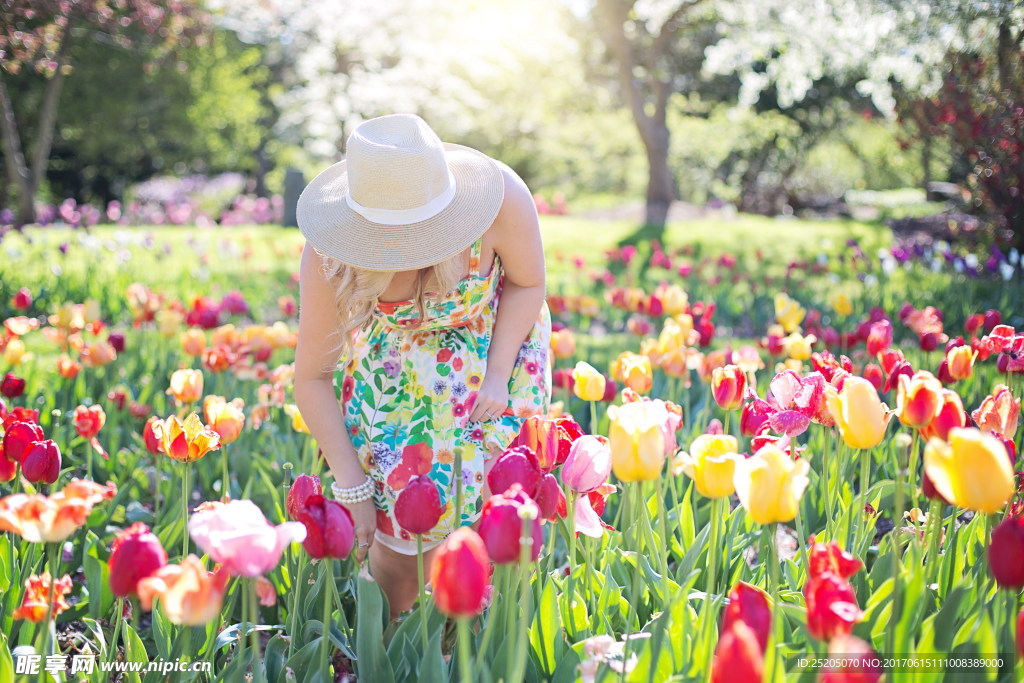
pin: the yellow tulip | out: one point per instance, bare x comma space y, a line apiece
672, 336
973, 470
14, 354
798, 347
588, 383
711, 463
563, 343
637, 440
298, 423
188, 440
770, 484
788, 312
186, 385
841, 304
634, 370
859, 413
227, 419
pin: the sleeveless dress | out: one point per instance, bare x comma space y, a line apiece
407, 392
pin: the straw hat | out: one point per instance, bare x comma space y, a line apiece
401, 199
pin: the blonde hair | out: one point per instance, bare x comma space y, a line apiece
357, 290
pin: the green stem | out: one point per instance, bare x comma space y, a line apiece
664, 546
423, 591
570, 503
525, 568
184, 509
326, 617
52, 566
254, 635
118, 619
773, 590
913, 472
865, 485
950, 554
458, 487
824, 479
293, 616
710, 583
934, 534
593, 417
225, 489
464, 654
802, 540
894, 536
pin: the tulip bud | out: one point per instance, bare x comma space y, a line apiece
19, 437
517, 465
116, 339
500, 526
186, 385
459, 576
711, 463
960, 362
302, 489
861, 417
89, 420
22, 299
589, 463
550, 497
972, 470
563, 343
418, 506
330, 531
851, 660
135, 555
879, 337
153, 443
951, 414
873, 374
11, 386
1006, 553
918, 399
589, 384
42, 462
831, 606
728, 384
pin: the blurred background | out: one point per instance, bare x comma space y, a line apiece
203, 112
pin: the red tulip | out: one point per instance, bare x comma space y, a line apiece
330, 531
500, 526
853, 662
11, 386
42, 462
822, 558
135, 555
153, 443
1006, 553
728, 384
418, 507
459, 576
992, 320
116, 339
901, 368
752, 607
549, 438
611, 389
8, 468
879, 337
19, 437
831, 606
929, 490
951, 414
517, 465
20, 414
22, 299
301, 490
873, 374
751, 422
890, 358
738, 656
549, 497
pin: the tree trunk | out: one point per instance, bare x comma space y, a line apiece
661, 186
1004, 52
48, 118
926, 159
14, 158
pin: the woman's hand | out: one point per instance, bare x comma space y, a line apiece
364, 516
492, 398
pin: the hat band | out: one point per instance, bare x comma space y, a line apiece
405, 216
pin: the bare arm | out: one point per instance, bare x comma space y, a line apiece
315, 396
517, 240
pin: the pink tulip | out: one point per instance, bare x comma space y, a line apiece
237, 535
589, 463
302, 488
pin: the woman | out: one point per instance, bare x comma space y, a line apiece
410, 245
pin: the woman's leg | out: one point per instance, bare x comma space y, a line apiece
395, 572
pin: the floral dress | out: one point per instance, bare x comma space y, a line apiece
407, 392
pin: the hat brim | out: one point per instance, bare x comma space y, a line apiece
335, 229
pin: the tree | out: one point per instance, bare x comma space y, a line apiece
38, 35
642, 40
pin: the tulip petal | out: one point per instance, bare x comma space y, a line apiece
587, 521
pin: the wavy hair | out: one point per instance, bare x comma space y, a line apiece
357, 290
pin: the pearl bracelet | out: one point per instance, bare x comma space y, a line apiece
355, 494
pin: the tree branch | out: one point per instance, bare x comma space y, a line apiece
48, 113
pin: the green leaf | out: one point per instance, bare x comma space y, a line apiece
135, 649
373, 663
6, 661
945, 620
546, 630
273, 658
97, 580
432, 667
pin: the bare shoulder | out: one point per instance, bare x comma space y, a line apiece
518, 213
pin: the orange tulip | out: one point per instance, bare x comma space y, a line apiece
89, 421
960, 361
50, 519
68, 367
998, 412
727, 386
634, 370
227, 419
951, 414
918, 399
189, 594
193, 341
563, 343
186, 385
37, 595
97, 354
186, 441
